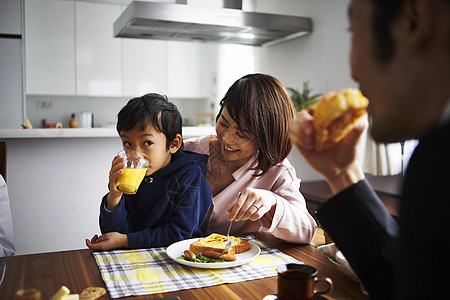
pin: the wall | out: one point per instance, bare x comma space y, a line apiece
322, 58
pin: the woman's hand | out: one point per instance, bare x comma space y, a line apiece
108, 241
337, 164
251, 205
114, 196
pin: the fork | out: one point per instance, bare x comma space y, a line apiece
228, 245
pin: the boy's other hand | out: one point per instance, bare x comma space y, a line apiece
108, 241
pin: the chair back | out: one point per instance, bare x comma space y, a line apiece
3, 159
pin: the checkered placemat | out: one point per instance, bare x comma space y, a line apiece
149, 271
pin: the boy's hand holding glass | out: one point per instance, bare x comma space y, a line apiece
136, 167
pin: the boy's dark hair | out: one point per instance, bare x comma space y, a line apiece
151, 109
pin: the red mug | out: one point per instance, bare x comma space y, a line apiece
297, 281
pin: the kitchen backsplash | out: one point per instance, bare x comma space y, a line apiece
54, 109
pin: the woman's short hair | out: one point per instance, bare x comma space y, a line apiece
266, 108
151, 109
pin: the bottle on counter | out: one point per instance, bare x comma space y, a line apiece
73, 123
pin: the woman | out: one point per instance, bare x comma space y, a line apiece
248, 156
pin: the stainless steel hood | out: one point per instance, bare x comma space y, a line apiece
184, 22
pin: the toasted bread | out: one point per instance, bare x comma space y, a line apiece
335, 115
213, 245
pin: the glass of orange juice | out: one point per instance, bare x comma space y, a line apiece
132, 176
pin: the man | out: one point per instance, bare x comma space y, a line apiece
400, 57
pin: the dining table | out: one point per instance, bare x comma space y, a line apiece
78, 270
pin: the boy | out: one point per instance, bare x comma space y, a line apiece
174, 197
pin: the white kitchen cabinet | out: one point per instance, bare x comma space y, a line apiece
176, 69
50, 47
187, 66
144, 67
11, 86
71, 50
99, 54
10, 17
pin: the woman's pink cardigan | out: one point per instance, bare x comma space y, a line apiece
289, 220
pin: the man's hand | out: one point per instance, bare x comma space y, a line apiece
337, 164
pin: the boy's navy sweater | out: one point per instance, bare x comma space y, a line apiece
166, 210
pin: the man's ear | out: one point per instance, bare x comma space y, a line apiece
176, 144
419, 25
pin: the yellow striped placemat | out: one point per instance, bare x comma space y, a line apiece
149, 271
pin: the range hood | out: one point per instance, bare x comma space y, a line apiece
186, 22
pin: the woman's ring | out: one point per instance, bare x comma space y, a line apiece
255, 206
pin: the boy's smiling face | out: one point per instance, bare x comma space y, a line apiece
152, 143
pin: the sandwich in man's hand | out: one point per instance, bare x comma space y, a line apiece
335, 115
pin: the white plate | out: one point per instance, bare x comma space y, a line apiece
176, 250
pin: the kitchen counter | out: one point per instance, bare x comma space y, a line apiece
188, 131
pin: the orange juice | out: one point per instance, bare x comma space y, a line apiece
130, 180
